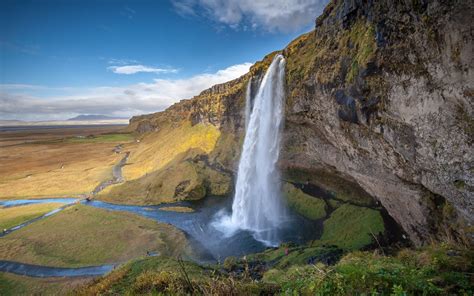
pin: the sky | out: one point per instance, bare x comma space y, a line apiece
62, 58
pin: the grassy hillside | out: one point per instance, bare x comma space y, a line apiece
14, 216
158, 149
85, 236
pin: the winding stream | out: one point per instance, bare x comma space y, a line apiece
46, 271
213, 245
21, 202
209, 245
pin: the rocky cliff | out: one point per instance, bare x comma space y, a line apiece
380, 103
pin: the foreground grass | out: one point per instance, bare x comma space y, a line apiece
431, 271
82, 236
165, 276
14, 285
10, 217
440, 270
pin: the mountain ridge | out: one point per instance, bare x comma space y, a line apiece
94, 117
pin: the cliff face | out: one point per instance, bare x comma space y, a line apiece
381, 93
379, 101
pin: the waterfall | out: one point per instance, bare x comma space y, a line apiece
248, 103
257, 205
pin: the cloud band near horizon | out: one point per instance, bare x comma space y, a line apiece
22, 102
133, 69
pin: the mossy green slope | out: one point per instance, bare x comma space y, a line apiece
308, 206
352, 227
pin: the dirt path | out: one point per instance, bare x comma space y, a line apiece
116, 175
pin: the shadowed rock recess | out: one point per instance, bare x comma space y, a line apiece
379, 111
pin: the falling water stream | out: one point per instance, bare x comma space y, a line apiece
248, 103
257, 205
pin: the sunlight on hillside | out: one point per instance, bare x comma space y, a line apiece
55, 170
156, 150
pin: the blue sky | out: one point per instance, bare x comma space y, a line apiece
63, 58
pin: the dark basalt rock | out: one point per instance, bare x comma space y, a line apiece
347, 110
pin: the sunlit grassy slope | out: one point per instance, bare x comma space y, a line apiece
165, 166
57, 167
184, 177
14, 216
158, 149
82, 236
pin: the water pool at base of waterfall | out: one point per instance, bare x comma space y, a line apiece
209, 244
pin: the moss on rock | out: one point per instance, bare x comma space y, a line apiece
341, 189
351, 227
306, 205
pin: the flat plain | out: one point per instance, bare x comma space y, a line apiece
57, 162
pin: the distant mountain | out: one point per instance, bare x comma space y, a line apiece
94, 117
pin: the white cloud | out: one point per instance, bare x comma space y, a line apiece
122, 61
133, 69
281, 15
22, 102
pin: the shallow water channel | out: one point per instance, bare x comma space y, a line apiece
209, 244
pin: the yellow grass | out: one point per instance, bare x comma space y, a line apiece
50, 170
14, 216
84, 236
158, 149
177, 209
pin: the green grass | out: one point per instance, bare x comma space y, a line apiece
9, 286
351, 227
362, 35
297, 255
308, 206
437, 270
165, 276
15, 285
102, 138
10, 217
411, 272
82, 236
